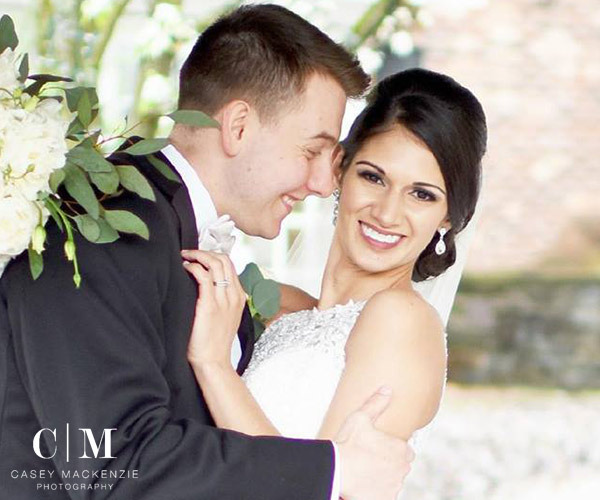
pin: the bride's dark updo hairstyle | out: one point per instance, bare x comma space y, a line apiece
449, 120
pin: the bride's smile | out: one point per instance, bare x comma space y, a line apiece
392, 202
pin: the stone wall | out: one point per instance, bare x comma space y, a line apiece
526, 330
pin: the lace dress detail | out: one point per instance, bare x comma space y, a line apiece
297, 364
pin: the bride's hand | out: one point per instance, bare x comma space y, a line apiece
219, 308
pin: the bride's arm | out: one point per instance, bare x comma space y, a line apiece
217, 318
398, 341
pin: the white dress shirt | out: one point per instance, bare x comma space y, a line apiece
205, 213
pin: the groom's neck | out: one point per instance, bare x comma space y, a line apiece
200, 147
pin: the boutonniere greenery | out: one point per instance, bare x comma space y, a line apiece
264, 297
53, 162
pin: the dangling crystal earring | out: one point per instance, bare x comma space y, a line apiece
336, 205
440, 247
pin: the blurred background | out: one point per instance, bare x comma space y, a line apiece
521, 416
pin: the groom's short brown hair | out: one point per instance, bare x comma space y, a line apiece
262, 54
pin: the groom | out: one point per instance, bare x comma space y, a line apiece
97, 399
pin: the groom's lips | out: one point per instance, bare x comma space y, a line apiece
288, 202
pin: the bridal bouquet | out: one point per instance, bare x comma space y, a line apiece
53, 165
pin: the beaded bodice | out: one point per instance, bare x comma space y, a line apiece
297, 364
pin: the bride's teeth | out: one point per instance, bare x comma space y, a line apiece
382, 238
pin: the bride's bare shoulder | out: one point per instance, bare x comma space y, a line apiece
400, 315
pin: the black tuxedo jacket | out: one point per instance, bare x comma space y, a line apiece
112, 355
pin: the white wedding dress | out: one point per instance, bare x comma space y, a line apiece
297, 364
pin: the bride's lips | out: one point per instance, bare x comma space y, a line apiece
377, 237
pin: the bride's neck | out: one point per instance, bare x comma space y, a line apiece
343, 280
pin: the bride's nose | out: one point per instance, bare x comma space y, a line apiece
388, 209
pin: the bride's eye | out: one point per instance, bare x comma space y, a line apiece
424, 195
371, 176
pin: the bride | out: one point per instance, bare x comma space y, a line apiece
408, 183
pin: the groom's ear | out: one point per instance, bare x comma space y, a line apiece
235, 120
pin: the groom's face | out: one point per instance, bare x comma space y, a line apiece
289, 158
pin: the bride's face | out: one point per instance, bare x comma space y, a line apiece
393, 199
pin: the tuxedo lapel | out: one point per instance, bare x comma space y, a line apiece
246, 336
179, 198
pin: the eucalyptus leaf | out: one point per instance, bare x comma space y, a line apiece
266, 297
132, 180
56, 179
88, 227
127, 222
24, 68
259, 328
147, 146
108, 234
74, 95
75, 127
194, 118
89, 159
249, 277
36, 263
78, 186
84, 110
40, 80
8, 35
107, 182
163, 168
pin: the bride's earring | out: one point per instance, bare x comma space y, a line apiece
440, 247
336, 204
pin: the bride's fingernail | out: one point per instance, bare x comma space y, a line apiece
385, 390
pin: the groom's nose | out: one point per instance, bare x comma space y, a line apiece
321, 180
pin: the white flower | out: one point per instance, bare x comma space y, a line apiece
32, 146
216, 236
9, 74
18, 219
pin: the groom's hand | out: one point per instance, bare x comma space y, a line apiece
373, 464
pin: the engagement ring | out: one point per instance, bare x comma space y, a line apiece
224, 282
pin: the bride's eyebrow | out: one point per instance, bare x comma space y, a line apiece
365, 162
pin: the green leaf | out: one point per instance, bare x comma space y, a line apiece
56, 179
24, 68
108, 234
266, 297
133, 180
89, 159
249, 277
8, 35
55, 215
163, 168
259, 328
88, 227
75, 94
147, 146
107, 182
127, 222
36, 263
194, 118
75, 127
78, 186
84, 110
40, 80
